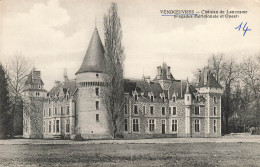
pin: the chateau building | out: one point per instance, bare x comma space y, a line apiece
162, 107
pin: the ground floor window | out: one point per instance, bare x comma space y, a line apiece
57, 126
49, 126
126, 125
135, 125
197, 125
26, 126
215, 126
53, 126
68, 126
174, 125
151, 125
43, 126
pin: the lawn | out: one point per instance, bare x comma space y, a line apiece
184, 154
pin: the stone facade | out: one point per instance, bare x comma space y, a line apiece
162, 107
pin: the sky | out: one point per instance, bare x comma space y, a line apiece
54, 34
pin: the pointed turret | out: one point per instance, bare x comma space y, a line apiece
94, 60
188, 88
187, 94
65, 75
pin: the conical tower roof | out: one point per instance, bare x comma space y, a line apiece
94, 60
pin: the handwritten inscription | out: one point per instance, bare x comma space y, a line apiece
245, 28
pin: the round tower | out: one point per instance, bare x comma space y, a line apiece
90, 78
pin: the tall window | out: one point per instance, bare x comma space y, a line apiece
97, 91
151, 125
215, 111
26, 125
151, 110
135, 125
170, 110
174, 98
44, 112
163, 99
125, 109
55, 111
61, 111
49, 111
215, 126
97, 105
174, 125
197, 125
49, 126
97, 117
144, 109
136, 97
53, 129
215, 99
135, 109
197, 98
43, 126
163, 110
68, 110
57, 126
188, 98
197, 110
126, 125
68, 126
174, 110
152, 98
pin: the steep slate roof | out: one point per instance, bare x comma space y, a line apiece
32, 79
71, 86
94, 60
209, 79
142, 86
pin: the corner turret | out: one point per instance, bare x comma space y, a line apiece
187, 95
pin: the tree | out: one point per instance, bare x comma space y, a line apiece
230, 74
251, 78
4, 104
215, 64
17, 69
114, 54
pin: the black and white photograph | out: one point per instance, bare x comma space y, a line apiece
130, 83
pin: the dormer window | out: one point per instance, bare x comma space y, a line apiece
97, 75
152, 98
197, 98
174, 98
163, 99
67, 97
136, 97
39, 86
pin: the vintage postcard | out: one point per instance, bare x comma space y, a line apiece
129, 83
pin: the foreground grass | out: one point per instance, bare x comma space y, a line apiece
192, 154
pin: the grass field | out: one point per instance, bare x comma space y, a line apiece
184, 154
